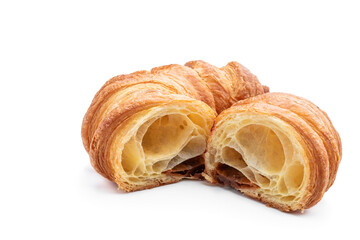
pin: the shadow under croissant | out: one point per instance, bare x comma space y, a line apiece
112, 188
105, 185
257, 201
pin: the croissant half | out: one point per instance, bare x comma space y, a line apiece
275, 147
150, 128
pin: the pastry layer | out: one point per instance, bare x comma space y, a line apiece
275, 147
150, 128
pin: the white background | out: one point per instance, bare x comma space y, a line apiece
55, 55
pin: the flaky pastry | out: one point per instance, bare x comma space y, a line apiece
278, 148
150, 128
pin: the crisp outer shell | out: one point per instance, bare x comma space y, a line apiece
124, 97
318, 137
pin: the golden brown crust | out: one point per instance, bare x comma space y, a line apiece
126, 100
228, 84
314, 117
317, 136
170, 79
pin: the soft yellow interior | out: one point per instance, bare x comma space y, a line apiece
166, 135
162, 143
266, 157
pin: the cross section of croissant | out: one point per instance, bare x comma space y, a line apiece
275, 147
150, 128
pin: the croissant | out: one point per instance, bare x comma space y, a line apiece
278, 148
150, 128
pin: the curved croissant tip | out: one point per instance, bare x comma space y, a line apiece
194, 63
266, 89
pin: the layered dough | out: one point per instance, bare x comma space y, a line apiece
275, 147
160, 145
150, 128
